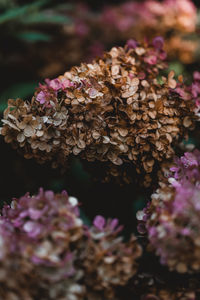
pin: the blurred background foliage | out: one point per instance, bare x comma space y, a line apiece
25, 28
44, 38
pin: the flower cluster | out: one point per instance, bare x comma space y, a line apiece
87, 38
107, 261
45, 230
12, 287
178, 14
57, 257
171, 219
113, 110
195, 92
173, 19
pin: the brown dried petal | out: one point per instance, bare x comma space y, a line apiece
20, 137
123, 131
29, 131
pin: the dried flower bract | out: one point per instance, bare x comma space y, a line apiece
113, 110
47, 253
171, 219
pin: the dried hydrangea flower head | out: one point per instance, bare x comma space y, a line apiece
171, 219
195, 92
47, 230
11, 288
56, 256
108, 262
113, 110
51, 223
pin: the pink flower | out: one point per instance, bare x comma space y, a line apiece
32, 229
151, 59
195, 89
158, 42
155, 7
125, 23
185, 6
196, 75
55, 84
99, 222
132, 44
66, 83
41, 97
162, 55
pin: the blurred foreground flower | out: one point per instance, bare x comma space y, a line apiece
113, 111
171, 219
47, 252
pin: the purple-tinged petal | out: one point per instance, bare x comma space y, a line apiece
132, 44
41, 97
158, 42
99, 222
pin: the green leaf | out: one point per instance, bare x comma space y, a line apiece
20, 11
33, 36
19, 90
159, 78
42, 17
177, 67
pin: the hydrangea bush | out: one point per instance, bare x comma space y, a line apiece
120, 110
